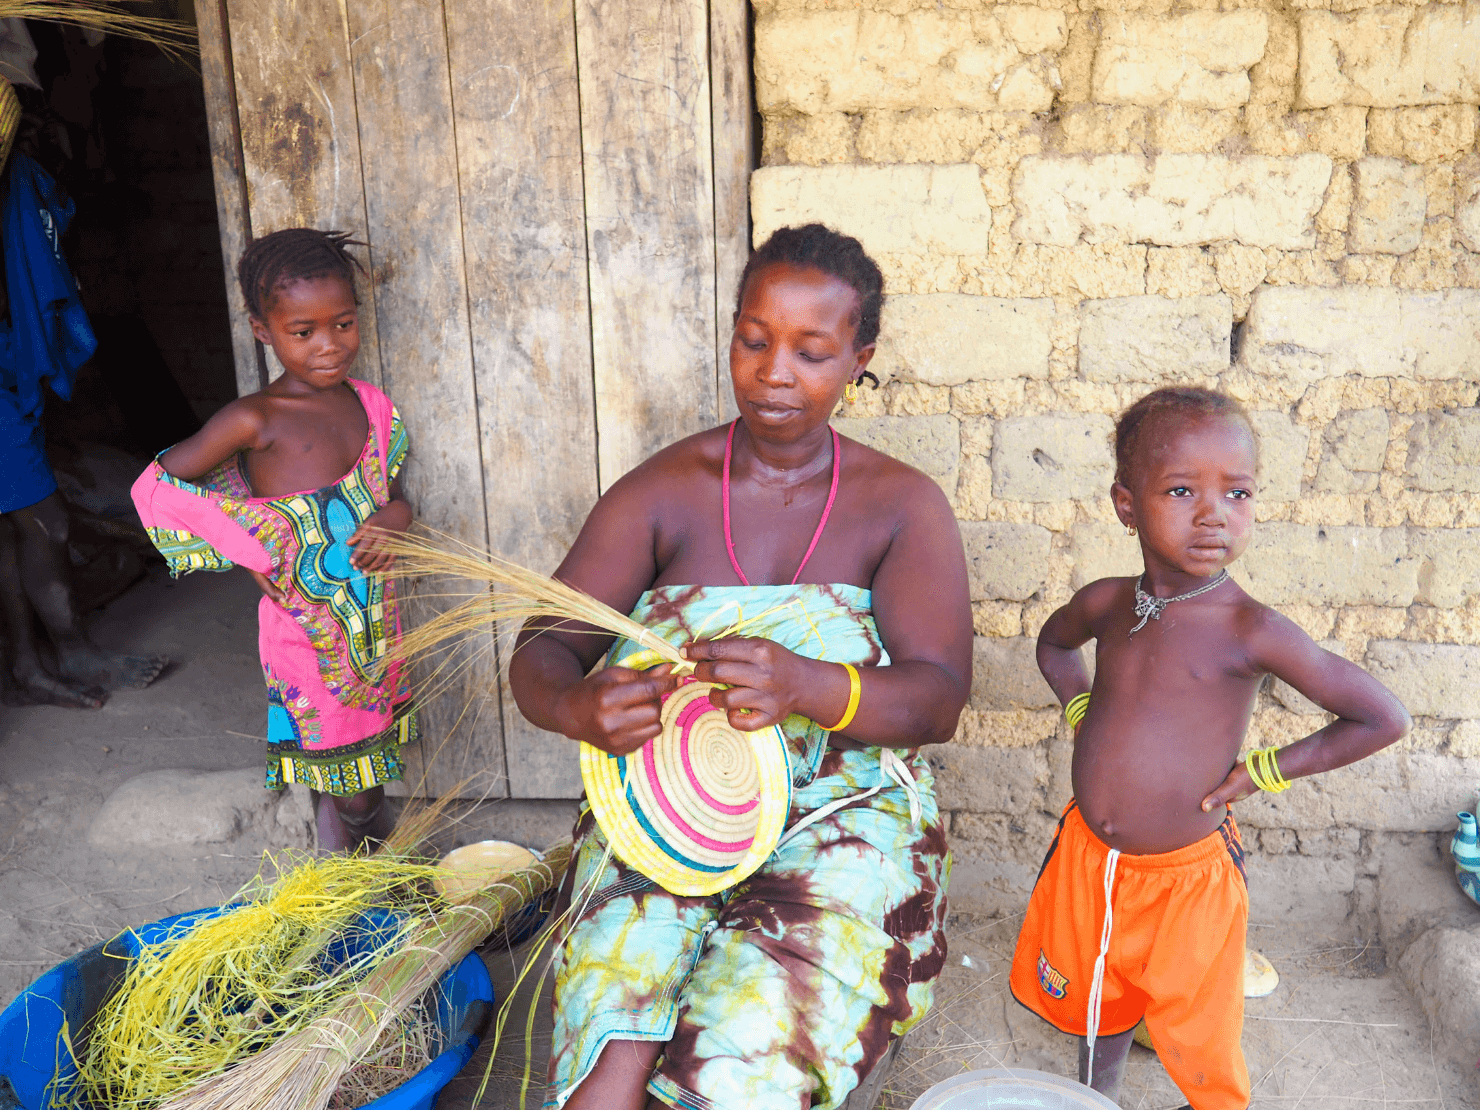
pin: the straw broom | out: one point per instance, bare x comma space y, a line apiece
178, 1017
302, 1070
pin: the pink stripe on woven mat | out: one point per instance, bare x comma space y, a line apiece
728, 847
691, 713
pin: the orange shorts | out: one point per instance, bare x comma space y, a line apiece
1176, 952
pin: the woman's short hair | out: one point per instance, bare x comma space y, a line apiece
1177, 404
838, 255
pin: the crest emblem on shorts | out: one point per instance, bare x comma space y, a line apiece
1049, 979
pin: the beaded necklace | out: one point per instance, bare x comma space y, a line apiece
1149, 607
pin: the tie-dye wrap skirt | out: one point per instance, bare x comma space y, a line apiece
781, 992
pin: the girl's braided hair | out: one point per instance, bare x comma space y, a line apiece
1173, 403
294, 254
838, 255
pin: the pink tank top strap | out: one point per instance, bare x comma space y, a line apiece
832, 496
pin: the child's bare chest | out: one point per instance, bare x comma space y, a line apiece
1181, 651
307, 447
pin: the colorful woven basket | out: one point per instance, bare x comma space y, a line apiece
699, 807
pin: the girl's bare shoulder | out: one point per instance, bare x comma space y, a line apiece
1105, 596
1253, 621
239, 425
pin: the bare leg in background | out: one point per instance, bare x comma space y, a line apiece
35, 684
46, 575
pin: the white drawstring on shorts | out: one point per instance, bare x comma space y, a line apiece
1097, 981
890, 767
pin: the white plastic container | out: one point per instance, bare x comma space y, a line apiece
1011, 1089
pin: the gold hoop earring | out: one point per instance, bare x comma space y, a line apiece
1130, 529
850, 392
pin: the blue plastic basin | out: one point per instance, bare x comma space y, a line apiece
35, 1065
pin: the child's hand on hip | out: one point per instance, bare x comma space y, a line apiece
1235, 788
369, 538
269, 591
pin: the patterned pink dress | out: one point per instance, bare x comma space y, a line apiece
337, 716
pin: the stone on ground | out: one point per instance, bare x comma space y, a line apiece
1442, 969
180, 808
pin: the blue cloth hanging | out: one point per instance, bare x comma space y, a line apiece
48, 336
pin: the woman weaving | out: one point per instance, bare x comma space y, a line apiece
782, 991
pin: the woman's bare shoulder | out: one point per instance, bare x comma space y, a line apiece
893, 483
664, 479
654, 476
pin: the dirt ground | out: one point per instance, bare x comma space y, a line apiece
1340, 1033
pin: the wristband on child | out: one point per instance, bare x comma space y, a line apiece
1264, 769
855, 688
1076, 709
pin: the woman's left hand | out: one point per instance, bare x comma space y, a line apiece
766, 682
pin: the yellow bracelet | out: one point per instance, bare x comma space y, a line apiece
1264, 769
1076, 709
855, 688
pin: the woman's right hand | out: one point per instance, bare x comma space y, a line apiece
616, 709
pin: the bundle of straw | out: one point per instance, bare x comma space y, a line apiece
193, 1004
407, 1046
171, 36
302, 1070
517, 594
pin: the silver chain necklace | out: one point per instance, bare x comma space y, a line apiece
1149, 607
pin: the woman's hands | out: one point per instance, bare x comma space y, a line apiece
766, 682
616, 709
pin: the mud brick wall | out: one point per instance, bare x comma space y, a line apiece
1075, 202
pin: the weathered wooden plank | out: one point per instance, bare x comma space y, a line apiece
408, 153
734, 157
645, 126
300, 139
224, 131
515, 100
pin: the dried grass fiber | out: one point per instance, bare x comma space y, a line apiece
303, 1069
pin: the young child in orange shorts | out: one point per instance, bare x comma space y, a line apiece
1141, 906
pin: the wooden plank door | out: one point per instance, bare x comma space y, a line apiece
553, 193
519, 152
645, 120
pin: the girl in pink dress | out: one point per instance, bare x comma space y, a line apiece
295, 483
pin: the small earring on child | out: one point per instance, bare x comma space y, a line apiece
850, 392
1130, 529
